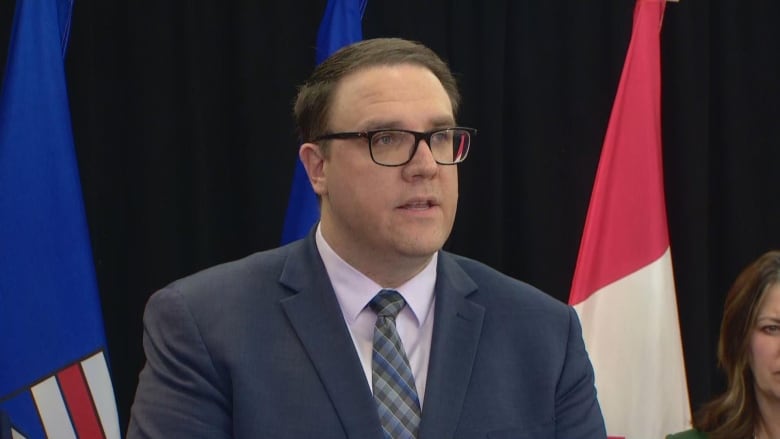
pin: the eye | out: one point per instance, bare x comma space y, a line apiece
441, 137
387, 138
771, 329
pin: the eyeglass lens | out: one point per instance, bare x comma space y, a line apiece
447, 146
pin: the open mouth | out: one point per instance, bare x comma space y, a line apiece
418, 205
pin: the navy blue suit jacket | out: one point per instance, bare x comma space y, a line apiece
258, 348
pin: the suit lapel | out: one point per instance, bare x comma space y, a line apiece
316, 317
456, 332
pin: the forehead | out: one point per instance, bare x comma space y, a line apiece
772, 295
395, 94
770, 302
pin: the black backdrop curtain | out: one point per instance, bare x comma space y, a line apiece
181, 116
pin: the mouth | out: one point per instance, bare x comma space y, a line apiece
419, 204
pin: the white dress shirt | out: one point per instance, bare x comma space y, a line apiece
414, 323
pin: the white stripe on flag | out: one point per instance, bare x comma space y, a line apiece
51, 407
96, 373
632, 335
16, 435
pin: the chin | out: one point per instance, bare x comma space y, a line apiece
421, 246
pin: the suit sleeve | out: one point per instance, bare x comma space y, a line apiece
577, 411
180, 393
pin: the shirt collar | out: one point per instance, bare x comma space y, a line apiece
354, 289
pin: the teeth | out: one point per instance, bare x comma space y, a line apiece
421, 205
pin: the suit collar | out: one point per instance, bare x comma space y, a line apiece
456, 332
316, 317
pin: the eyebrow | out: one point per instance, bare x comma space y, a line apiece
373, 125
763, 319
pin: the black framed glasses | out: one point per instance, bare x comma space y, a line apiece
449, 146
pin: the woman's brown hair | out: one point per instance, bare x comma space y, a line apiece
734, 414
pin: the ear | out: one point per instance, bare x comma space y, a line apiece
314, 162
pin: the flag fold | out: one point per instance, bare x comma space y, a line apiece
623, 286
54, 379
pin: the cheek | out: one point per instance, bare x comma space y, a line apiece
760, 350
363, 195
450, 183
754, 348
344, 179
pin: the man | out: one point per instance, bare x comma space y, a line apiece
293, 343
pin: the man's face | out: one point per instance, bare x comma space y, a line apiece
377, 214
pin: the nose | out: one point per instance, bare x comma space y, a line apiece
422, 163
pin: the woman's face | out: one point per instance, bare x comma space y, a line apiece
765, 349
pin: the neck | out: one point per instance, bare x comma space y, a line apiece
769, 423
767, 433
387, 269
394, 278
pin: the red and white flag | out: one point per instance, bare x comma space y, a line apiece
623, 287
76, 402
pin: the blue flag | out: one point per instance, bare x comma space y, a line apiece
54, 379
340, 26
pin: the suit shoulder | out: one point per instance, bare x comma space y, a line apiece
268, 262
258, 271
495, 284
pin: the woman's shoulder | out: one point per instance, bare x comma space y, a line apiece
688, 434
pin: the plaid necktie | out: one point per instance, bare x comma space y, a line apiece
394, 390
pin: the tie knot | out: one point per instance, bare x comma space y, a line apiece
387, 303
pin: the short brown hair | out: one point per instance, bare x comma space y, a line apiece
735, 413
315, 95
